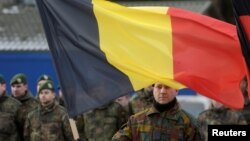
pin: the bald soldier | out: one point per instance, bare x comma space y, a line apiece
163, 121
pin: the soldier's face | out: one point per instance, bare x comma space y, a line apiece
2, 88
123, 100
164, 94
18, 90
46, 96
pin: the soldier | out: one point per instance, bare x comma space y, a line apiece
164, 120
142, 100
8, 112
20, 91
246, 109
101, 124
218, 114
49, 121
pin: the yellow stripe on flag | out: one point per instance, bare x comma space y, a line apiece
155, 9
141, 42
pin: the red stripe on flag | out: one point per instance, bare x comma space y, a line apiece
207, 56
245, 21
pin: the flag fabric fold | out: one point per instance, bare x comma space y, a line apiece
102, 50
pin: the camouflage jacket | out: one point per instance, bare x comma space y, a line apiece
151, 125
50, 123
140, 101
29, 103
246, 113
219, 116
102, 123
8, 112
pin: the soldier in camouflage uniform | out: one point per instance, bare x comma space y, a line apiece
8, 111
246, 112
246, 109
101, 124
19, 90
49, 121
141, 100
218, 114
163, 121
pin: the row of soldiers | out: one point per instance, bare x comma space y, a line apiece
43, 117
217, 114
26, 118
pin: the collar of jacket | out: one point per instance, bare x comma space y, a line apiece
170, 114
24, 97
3, 97
48, 108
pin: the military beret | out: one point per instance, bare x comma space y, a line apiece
44, 77
2, 80
47, 85
18, 79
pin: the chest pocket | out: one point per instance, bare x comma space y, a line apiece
44, 130
7, 123
173, 134
51, 129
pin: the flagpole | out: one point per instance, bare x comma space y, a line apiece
74, 129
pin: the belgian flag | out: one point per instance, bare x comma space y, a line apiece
102, 50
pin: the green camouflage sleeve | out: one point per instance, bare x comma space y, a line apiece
195, 130
196, 135
67, 132
241, 118
123, 116
80, 126
26, 133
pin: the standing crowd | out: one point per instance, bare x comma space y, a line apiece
151, 114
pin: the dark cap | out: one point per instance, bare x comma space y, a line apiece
18, 79
44, 77
2, 80
47, 85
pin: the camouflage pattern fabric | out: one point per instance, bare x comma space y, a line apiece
60, 101
8, 111
50, 123
219, 116
151, 125
246, 113
29, 103
140, 101
102, 123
